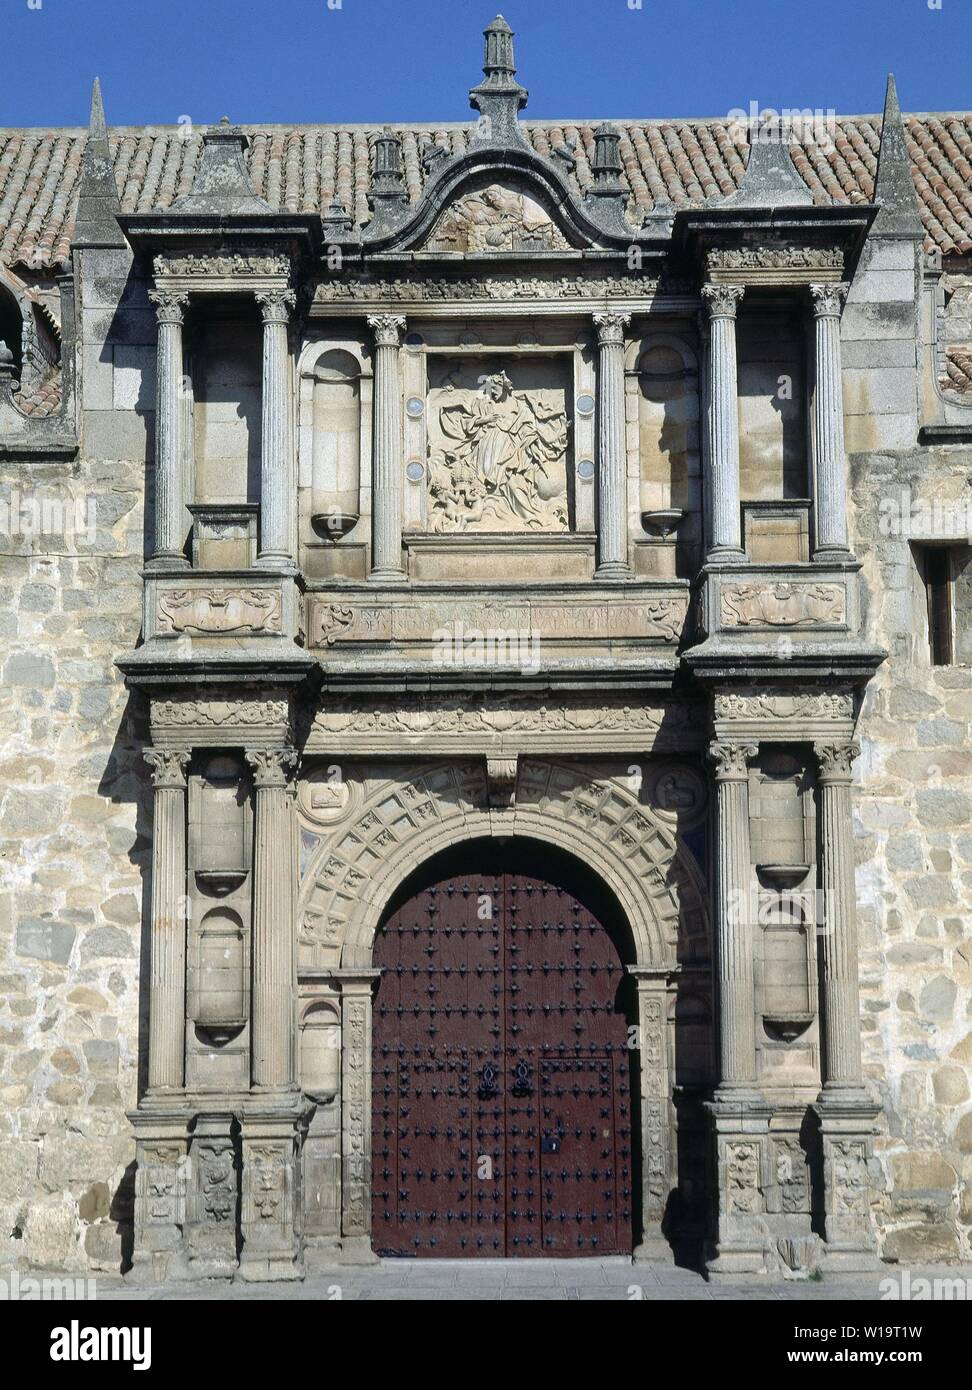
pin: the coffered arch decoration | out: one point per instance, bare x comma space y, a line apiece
598, 819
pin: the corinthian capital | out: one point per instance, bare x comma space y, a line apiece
731, 759
387, 328
828, 300
275, 305
610, 327
168, 767
722, 301
169, 304
835, 760
271, 766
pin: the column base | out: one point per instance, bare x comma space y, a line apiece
726, 555
740, 1118
653, 1248
164, 561
846, 1115
832, 554
276, 560
356, 1250
387, 574
614, 569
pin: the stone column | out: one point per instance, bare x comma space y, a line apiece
167, 988
734, 930
356, 991
276, 464
829, 463
274, 953
722, 477
612, 510
386, 490
838, 929
844, 1107
739, 1114
169, 409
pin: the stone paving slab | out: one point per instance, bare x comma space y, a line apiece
602, 1280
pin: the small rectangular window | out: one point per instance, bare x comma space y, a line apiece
938, 591
945, 571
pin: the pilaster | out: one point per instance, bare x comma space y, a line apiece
829, 463
169, 465
386, 499
612, 522
276, 465
722, 301
167, 989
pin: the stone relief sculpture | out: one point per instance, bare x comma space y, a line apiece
496, 218
781, 605
502, 464
213, 611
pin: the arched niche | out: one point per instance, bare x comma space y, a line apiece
320, 1050
334, 404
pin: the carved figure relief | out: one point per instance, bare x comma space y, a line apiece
214, 611
497, 458
496, 218
743, 1187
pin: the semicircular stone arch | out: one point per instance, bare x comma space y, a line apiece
598, 820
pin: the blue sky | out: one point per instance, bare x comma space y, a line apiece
413, 60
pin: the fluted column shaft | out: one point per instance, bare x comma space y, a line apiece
829, 463
734, 928
169, 415
386, 492
276, 485
612, 522
723, 452
274, 958
167, 970
838, 939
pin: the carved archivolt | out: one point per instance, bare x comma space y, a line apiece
599, 820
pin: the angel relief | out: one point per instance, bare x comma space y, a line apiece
496, 218
499, 460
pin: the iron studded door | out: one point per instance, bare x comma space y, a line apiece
501, 1112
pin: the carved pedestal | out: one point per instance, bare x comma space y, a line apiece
657, 1164
270, 1206
212, 1199
850, 1175
356, 988
741, 1132
160, 1195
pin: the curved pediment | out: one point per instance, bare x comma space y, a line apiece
494, 200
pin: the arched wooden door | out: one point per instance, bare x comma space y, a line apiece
502, 1120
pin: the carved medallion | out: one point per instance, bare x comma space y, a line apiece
781, 605
208, 612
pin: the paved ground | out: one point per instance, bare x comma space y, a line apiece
528, 1279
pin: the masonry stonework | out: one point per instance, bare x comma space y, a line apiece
426, 598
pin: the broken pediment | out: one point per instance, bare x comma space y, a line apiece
496, 217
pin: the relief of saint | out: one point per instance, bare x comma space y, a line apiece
503, 464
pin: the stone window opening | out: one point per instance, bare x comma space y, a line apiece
946, 573
11, 332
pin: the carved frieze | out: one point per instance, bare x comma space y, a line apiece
775, 258
782, 604
499, 217
502, 714
217, 611
238, 264
194, 713
763, 705
495, 287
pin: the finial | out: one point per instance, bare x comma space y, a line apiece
95, 221
388, 198
894, 188
499, 97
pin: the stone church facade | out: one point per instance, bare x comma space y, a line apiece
487, 640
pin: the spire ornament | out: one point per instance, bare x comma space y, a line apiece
499, 97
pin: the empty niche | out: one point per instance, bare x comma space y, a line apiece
320, 1052
336, 444
218, 1004
227, 373
220, 824
668, 428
